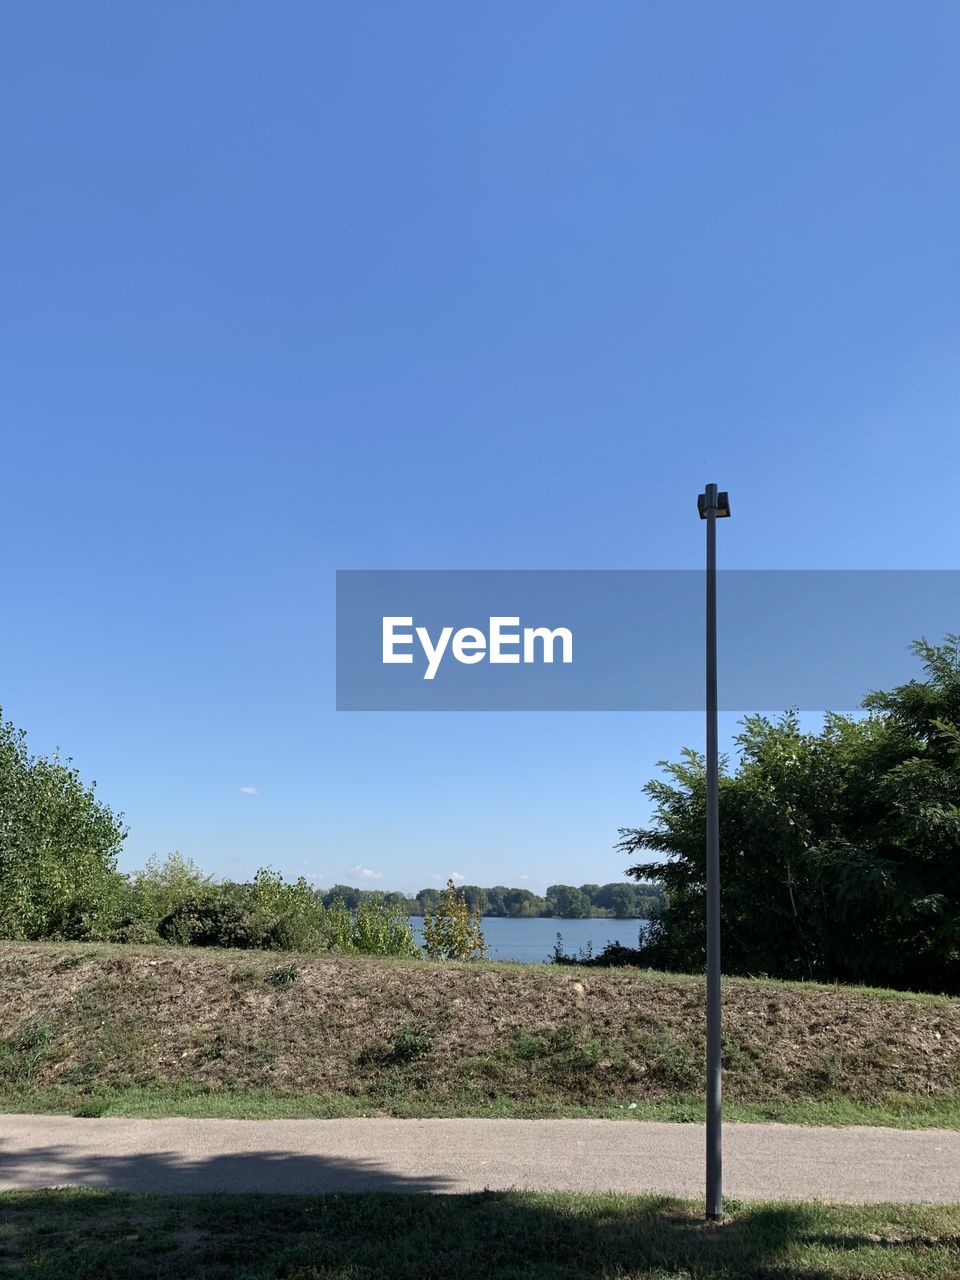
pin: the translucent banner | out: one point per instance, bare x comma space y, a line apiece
630, 640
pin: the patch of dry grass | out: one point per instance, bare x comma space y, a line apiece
90, 1019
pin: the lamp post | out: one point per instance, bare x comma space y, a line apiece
711, 506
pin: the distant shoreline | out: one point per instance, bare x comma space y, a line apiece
418, 915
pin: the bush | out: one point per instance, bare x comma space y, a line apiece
285, 917
215, 917
156, 891
376, 928
382, 929
285, 975
273, 915
58, 848
613, 955
412, 1041
452, 931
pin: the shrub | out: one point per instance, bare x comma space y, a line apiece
215, 917
285, 917
285, 975
452, 931
412, 1041
58, 848
155, 892
376, 928
268, 914
613, 955
382, 929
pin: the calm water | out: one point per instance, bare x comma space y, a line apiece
531, 941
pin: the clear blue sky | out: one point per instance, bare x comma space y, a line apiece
288, 288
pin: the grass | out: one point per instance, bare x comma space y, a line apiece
897, 1111
129, 1030
490, 1236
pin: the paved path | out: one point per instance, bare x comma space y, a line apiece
761, 1161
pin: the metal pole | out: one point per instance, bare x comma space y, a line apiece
714, 1134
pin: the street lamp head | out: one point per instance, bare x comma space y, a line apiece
720, 502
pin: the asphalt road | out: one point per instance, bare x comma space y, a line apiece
769, 1161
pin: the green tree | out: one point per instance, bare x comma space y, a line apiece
476, 898
428, 899
522, 903
622, 900
58, 848
452, 931
496, 900
567, 901
840, 850
345, 893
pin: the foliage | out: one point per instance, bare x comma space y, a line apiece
568, 902
376, 928
382, 929
412, 1041
212, 917
614, 955
285, 975
624, 901
286, 916
452, 931
268, 913
840, 850
58, 848
155, 891
274, 915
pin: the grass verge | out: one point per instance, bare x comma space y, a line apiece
490, 1236
177, 1031
896, 1112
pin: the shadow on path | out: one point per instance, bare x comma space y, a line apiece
168, 1173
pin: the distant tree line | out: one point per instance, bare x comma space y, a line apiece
623, 901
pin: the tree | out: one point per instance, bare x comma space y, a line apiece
345, 893
58, 848
452, 931
622, 900
496, 906
840, 850
476, 898
568, 901
428, 899
522, 902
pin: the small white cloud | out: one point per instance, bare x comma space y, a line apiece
249, 791
367, 873
455, 875
524, 877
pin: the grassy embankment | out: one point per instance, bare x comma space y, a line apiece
502, 1236
94, 1029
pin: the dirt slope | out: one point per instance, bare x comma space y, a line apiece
94, 1017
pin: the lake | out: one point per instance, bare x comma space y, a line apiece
531, 941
